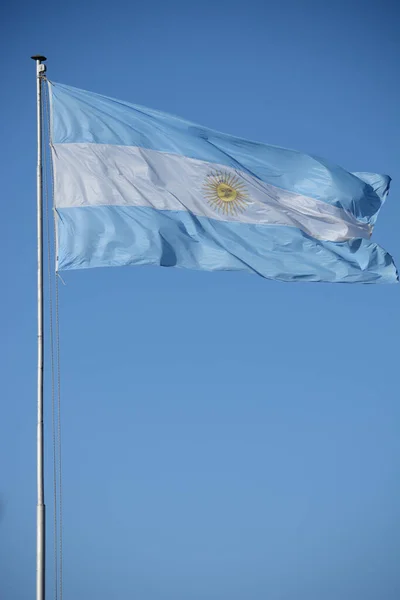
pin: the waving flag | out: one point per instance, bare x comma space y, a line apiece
134, 186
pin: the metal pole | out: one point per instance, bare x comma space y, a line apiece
40, 509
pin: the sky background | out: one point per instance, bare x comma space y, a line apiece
224, 437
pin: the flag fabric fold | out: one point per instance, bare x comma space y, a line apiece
134, 186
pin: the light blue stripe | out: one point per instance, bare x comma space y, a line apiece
117, 236
79, 116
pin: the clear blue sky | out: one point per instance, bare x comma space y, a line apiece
224, 437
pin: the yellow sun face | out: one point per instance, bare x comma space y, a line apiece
225, 193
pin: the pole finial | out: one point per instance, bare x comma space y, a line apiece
39, 57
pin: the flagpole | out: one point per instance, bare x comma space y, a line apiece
40, 509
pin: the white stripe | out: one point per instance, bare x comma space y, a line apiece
103, 174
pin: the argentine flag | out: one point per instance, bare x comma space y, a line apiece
135, 186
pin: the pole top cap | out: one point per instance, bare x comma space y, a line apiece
39, 57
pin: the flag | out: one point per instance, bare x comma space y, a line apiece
135, 186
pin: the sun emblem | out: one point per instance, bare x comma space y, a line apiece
225, 193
